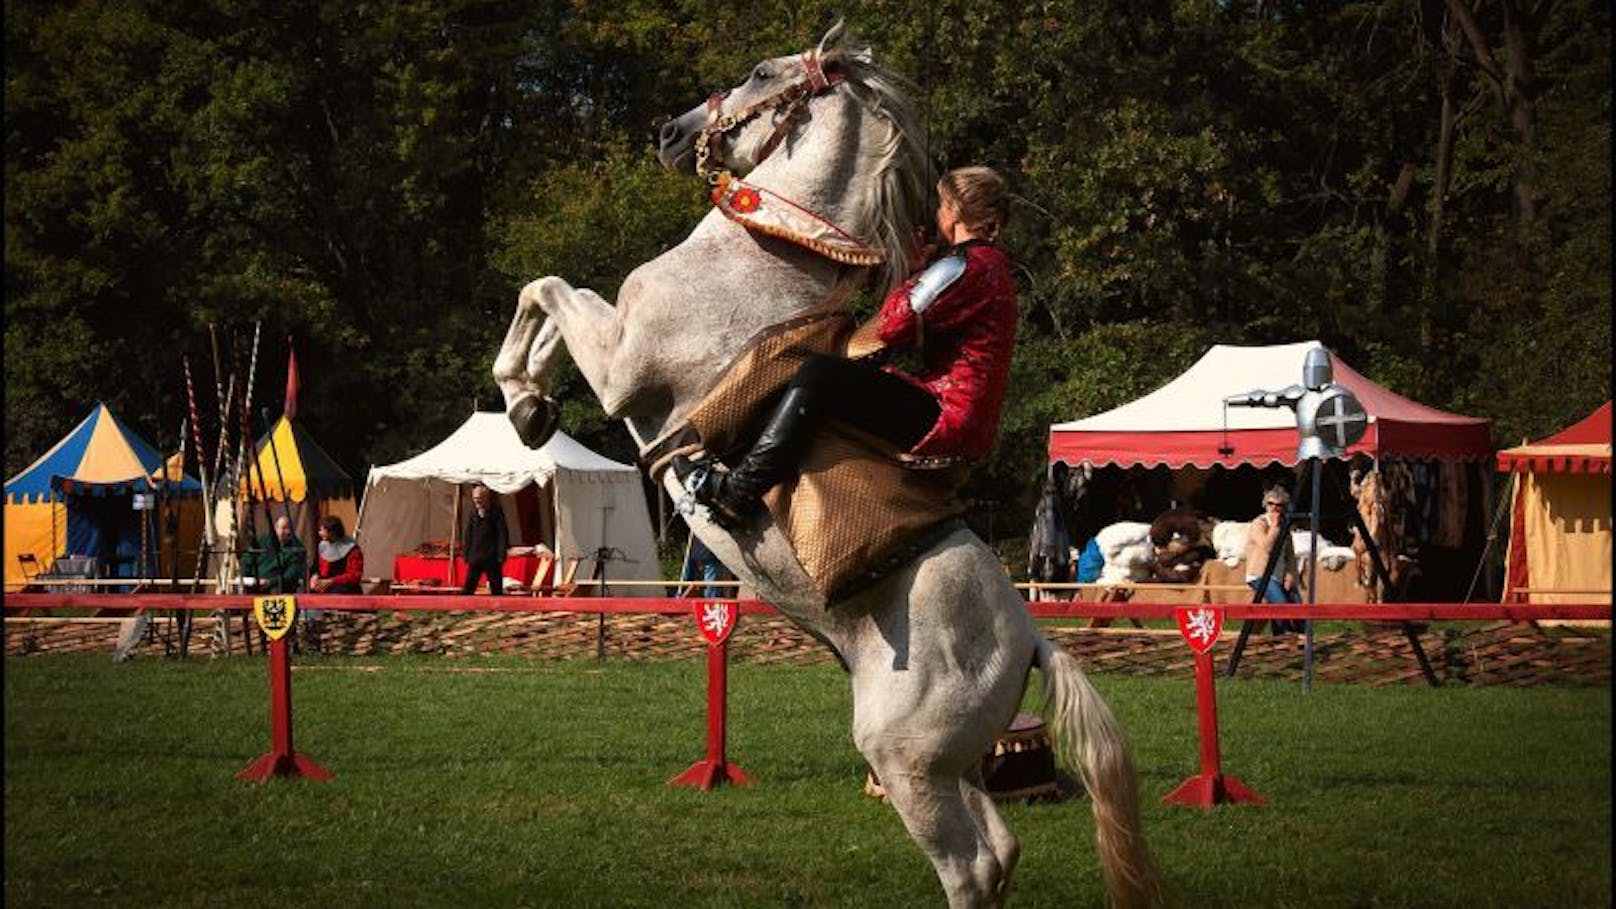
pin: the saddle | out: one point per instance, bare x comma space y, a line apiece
857, 507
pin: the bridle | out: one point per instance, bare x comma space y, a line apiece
789, 102
760, 209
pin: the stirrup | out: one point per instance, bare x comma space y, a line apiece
700, 477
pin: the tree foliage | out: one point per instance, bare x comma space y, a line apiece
1422, 185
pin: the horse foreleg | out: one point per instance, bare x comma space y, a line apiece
521, 368
595, 337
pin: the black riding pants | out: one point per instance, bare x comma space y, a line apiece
869, 398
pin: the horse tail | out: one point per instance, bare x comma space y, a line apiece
1090, 742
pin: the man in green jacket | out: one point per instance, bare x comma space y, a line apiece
280, 563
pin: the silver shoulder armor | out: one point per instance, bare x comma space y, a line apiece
934, 280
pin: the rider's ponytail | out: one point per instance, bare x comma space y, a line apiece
980, 197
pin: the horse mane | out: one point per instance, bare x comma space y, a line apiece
900, 192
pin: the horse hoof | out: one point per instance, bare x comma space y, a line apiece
536, 419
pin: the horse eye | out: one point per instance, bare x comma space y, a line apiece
762, 73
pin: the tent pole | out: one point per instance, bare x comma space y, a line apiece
1317, 470
662, 515
370, 480
1498, 510
601, 556
454, 533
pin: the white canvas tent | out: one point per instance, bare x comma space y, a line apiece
584, 502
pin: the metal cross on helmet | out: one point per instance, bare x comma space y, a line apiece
1329, 418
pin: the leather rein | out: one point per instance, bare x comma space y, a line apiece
789, 101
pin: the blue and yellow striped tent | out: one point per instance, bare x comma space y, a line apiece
78, 499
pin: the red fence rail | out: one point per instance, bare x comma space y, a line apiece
1360, 612
1204, 790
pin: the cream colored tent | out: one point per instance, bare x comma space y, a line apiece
1560, 521
562, 494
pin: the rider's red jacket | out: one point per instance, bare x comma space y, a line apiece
966, 337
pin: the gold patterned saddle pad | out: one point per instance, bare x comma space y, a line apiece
855, 504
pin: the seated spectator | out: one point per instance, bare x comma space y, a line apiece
1263, 536
280, 562
339, 565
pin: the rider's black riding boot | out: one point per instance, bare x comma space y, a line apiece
733, 495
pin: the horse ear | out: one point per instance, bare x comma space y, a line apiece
833, 38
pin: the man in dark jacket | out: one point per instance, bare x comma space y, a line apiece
486, 541
280, 562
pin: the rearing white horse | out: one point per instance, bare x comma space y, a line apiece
939, 650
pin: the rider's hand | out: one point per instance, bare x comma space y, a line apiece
925, 249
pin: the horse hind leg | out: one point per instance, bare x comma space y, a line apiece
990, 824
934, 810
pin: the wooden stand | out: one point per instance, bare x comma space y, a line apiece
715, 769
281, 759
1209, 788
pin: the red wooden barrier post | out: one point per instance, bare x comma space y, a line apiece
715, 620
1209, 788
276, 616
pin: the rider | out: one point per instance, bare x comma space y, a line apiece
960, 313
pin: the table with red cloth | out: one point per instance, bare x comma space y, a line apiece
435, 570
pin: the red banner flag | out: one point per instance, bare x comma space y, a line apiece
291, 381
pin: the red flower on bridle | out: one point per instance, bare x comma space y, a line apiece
745, 200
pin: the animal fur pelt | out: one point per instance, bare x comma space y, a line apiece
1048, 551
1182, 538
1229, 539
1126, 548
1331, 556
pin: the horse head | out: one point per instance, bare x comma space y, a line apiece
760, 128
732, 129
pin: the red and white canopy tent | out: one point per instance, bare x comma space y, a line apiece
1560, 517
1185, 423
1184, 428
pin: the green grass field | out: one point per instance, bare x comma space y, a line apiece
520, 783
